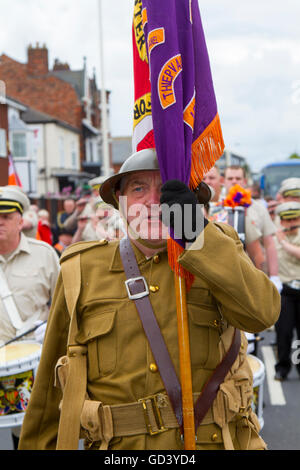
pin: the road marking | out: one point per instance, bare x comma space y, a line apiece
274, 386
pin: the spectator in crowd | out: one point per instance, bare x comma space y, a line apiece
289, 191
68, 209
214, 179
44, 231
217, 213
64, 240
288, 246
83, 210
258, 216
30, 221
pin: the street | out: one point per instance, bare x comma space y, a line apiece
281, 410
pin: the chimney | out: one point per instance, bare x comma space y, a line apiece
37, 63
60, 66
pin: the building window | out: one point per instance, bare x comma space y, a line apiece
61, 145
3, 152
74, 155
19, 145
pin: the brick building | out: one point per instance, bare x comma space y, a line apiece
70, 97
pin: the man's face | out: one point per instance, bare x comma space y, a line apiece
142, 205
213, 179
289, 223
233, 177
10, 227
69, 206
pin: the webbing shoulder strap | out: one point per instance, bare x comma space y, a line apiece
75, 388
152, 330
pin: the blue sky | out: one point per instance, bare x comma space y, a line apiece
254, 50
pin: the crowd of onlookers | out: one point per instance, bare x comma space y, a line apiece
86, 218
272, 240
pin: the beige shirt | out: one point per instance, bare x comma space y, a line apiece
260, 217
288, 265
252, 231
31, 272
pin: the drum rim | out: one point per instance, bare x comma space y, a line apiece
33, 357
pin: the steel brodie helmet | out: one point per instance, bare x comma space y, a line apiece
142, 161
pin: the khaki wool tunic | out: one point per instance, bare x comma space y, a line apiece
228, 292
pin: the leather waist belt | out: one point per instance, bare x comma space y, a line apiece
150, 415
138, 291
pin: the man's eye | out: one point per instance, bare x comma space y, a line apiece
138, 189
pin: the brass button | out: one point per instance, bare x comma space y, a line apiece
214, 437
216, 323
153, 367
156, 259
242, 409
154, 288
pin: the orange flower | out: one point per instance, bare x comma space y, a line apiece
237, 196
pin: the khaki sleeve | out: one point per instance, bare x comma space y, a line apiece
247, 298
40, 426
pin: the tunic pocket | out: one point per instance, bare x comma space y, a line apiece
204, 335
98, 332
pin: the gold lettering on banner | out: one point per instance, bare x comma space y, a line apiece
142, 108
168, 74
139, 31
155, 37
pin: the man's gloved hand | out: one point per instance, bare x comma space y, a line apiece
181, 211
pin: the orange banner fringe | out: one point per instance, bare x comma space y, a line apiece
206, 150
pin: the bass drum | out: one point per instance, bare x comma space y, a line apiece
259, 374
18, 366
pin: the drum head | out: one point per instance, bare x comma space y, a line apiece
18, 364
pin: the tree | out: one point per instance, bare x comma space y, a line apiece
294, 155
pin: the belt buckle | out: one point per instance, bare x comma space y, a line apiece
156, 413
139, 295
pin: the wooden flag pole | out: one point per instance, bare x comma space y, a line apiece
185, 365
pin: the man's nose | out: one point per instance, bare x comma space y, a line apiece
154, 196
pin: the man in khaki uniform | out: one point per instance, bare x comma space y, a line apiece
288, 248
28, 268
124, 388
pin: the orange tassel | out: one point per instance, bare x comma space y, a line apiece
206, 150
174, 251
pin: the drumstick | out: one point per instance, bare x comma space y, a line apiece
23, 334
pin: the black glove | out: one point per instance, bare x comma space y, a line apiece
181, 211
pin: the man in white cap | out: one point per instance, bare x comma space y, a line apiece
288, 249
28, 271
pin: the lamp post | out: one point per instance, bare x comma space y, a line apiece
104, 121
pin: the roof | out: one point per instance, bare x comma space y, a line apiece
49, 93
32, 116
74, 77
